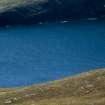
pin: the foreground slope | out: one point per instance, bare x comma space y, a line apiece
84, 89
34, 11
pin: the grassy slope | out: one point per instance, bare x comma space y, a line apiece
83, 89
6, 5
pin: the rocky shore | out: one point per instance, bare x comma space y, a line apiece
83, 89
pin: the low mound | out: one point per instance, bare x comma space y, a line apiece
84, 89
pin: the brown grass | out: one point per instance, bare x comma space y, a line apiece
84, 89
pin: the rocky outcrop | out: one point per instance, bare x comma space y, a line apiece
35, 11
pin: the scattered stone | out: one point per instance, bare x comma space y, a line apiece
82, 87
15, 99
89, 86
8, 101
87, 92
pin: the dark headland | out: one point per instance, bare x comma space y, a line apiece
38, 11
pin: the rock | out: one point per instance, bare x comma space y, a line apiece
15, 99
39, 11
8, 101
90, 86
82, 88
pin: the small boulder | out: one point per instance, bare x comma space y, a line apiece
8, 101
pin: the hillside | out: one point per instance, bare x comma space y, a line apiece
36, 11
84, 89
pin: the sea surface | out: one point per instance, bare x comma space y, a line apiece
41, 53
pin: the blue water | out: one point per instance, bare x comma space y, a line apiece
40, 53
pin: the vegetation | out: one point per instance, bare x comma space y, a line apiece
84, 89
16, 3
